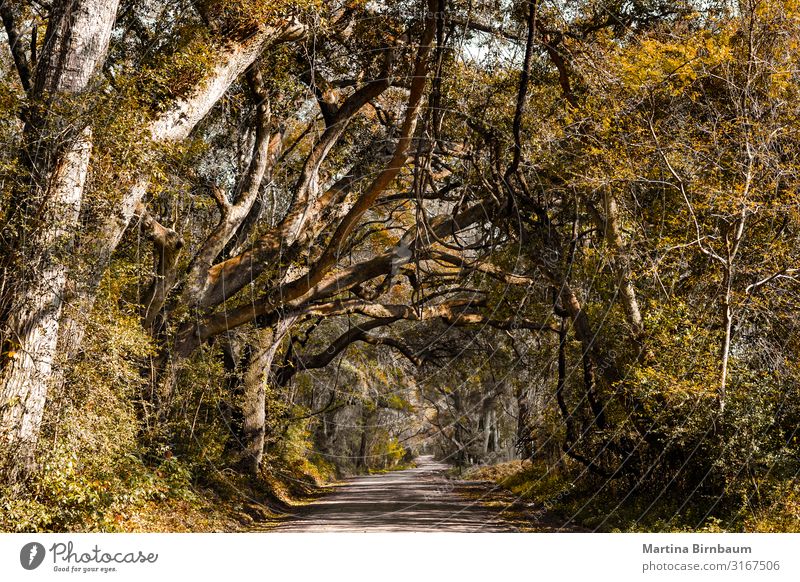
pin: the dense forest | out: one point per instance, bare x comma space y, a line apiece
248, 247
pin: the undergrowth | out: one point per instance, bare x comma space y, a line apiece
583, 500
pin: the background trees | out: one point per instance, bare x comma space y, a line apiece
294, 239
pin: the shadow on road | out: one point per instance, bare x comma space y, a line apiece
413, 500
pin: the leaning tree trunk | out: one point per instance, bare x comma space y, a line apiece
46, 216
101, 234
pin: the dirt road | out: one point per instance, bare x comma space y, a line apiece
413, 500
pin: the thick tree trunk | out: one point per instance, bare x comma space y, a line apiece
254, 407
59, 152
36, 309
256, 380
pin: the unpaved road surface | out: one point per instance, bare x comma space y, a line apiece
413, 500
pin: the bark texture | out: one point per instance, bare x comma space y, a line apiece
58, 152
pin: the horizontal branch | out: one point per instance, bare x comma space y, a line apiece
483, 267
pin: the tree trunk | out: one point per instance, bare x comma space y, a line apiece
727, 325
566, 414
524, 437
36, 309
361, 459
621, 265
488, 422
462, 455
256, 380
58, 154
254, 408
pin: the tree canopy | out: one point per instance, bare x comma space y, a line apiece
298, 239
